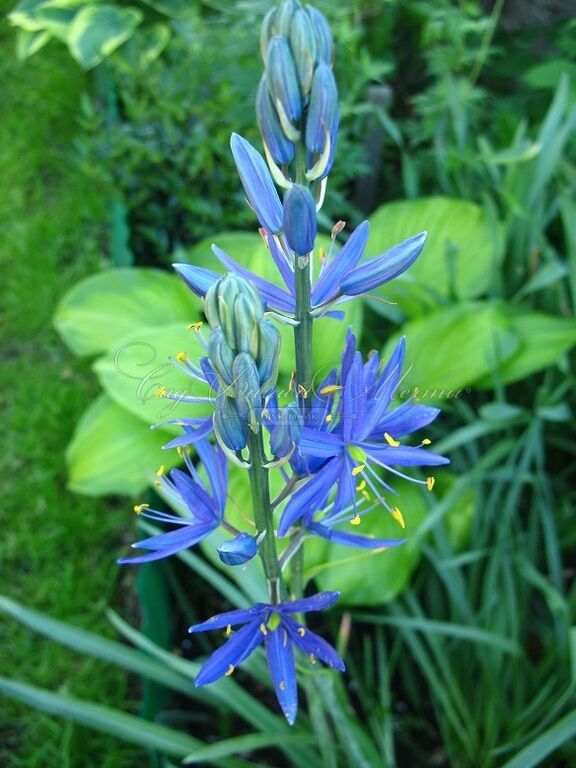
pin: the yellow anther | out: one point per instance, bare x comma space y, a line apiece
181, 357
356, 520
139, 507
358, 469
361, 486
430, 483
263, 629
366, 495
390, 440
301, 631
160, 470
398, 516
426, 441
328, 418
230, 670
194, 326
161, 392
313, 658
329, 389
292, 380
228, 630
282, 685
157, 483
322, 255
302, 391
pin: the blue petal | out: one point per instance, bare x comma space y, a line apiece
281, 148
283, 78
315, 442
353, 400
272, 294
192, 435
384, 268
216, 466
198, 279
312, 644
403, 456
282, 264
318, 602
282, 671
346, 493
196, 497
232, 618
166, 544
231, 654
328, 285
239, 550
405, 419
300, 219
384, 390
312, 496
258, 184
352, 539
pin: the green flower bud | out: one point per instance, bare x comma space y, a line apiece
283, 17
248, 397
222, 357
267, 32
268, 354
246, 319
303, 45
230, 427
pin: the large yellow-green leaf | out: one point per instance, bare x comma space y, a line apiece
138, 367
452, 348
97, 312
458, 259
97, 30
113, 452
543, 340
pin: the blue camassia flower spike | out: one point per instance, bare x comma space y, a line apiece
359, 432
341, 276
187, 488
274, 626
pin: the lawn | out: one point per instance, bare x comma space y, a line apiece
58, 550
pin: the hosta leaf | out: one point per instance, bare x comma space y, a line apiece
97, 30
139, 366
458, 259
113, 452
100, 310
452, 348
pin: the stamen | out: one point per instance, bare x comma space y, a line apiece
230, 670
329, 389
358, 469
361, 486
301, 631
282, 685
430, 483
337, 228
356, 520
329, 418
302, 391
139, 507
397, 515
263, 629
160, 470
181, 357
390, 440
194, 326
312, 658
366, 495
228, 630
161, 392
426, 441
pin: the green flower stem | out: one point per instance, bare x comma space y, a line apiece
263, 518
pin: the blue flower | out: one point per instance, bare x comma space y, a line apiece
206, 507
341, 276
274, 626
257, 183
357, 433
239, 550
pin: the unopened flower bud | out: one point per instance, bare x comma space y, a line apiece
280, 147
303, 45
283, 18
323, 35
239, 550
247, 397
287, 432
322, 115
283, 84
221, 356
230, 428
247, 315
220, 302
267, 32
268, 354
300, 219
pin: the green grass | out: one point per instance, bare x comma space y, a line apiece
57, 551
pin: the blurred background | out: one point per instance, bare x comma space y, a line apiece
458, 118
